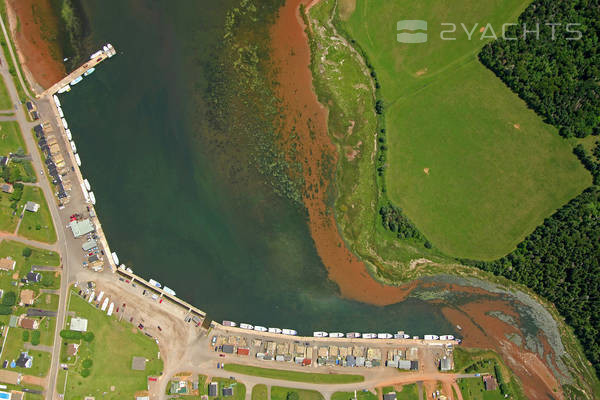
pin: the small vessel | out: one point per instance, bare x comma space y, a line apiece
76, 80
91, 297
64, 89
229, 323
129, 270
100, 296
96, 54
69, 136
115, 258
274, 330
92, 198
110, 309
384, 336
431, 337
169, 291
64, 122
105, 48
446, 337
336, 334
155, 283
416, 338
246, 326
87, 184
61, 113
260, 328
56, 100
78, 160
289, 332
320, 334
89, 71
397, 336
459, 327
369, 336
353, 335
86, 195
73, 147
111, 50
105, 304
405, 336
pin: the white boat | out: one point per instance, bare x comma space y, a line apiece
154, 283
100, 296
78, 160
61, 113
92, 198
229, 323
336, 334
289, 332
87, 184
353, 335
169, 291
69, 136
105, 304
260, 328
96, 54
115, 258
86, 195
397, 336
384, 336
320, 334
64, 89
405, 336
64, 122
91, 297
76, 80
274, 330
246, 326
446, 337
110, 309
56, 100
415, 338
129, 270
105, 48
431, 337
73, 147
89, 71
369, 336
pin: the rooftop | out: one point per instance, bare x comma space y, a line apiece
78, 324
82, 227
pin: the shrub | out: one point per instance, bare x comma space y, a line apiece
85, 373
87, 363
35, 338
5, 310
26, 336
69, 334
88, 336
292, 396
9, 299
26, 252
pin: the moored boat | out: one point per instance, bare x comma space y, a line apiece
73, 147
405, 336
320, 334
76, 80
431, 337
69, 136
92, 198
110, 309
246, 326
64, 89
89, 71
64, 122
78, 160
60, 112
369, 336
260, 328
105, 304
56, 100
96, 54
155, 283
100, 296
115, 258
87, 184
274, 330
229, 323
290, 332
353, 335
384, 336
446, 337
169, 291
336, 334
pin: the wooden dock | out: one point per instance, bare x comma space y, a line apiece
74, 75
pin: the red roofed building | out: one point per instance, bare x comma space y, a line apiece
242, 351
306, 361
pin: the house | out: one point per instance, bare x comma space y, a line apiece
227, 391
389, 396
78, 324
404, 364
138, 363
24, 360
30, 323
7, 188
27, 297
489, 381
33, 277
72, 349
213, 389
243, 352
32, 206
445, 364
414, 365
7, 264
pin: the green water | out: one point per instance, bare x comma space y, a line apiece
181, 209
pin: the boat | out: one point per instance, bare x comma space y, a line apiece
169, 291
91, 298
353, 335
64, 89
89, 71
69, 136
260, 328
100, 296
73, 147
369, 336
246, 326
384, 336
155, 283
336, 334
61, 113
96, 54
431, 337
446, 337
459, 327
229, 323
111, 50
78, 160
115, 258
405, 336
64, 122
105, 304
85, 193
274, 330
105, 48
92, 198
56, 100
110, 309
416, 338
76, 80
289, 332
320, 334
397, 336
129, 270
87, 184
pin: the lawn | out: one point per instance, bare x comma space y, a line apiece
15, 345
361, 395
473, 389
467, 161
112, 350
280, 393
10, 138
9, 218
408, 392
259, 392
5, 100
37, 225
23, 264
239, 389
293, 375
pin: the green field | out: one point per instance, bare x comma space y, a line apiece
5, 101
15, 345
259, 392
360, 395
293, 375
37, 225
495, 170
281, 393
112, 350
10, 138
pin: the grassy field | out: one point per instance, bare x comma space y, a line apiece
280, 393
494, 169
408, 392
473, 389
239, 389
112, 350
37, 225
293, 375
10, 138
259, 392
15, 345
5, 101
361, 395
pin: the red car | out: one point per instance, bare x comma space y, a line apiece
221, 355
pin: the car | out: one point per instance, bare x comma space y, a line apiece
159, 328
477, 374
216, 349
126, 280
144, 292
131, 319
141, 326
42, 172
221, 355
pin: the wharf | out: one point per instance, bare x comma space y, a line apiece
74, 75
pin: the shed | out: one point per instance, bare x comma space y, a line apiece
404, 364
32, 206
81, 228
414, 365
213, 389
445, 364
389, 396
243, 351
138, 363
7, 188
7, 264
228, 348
90, 244
227, 391
78, 324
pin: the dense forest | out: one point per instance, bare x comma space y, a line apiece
556, 76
